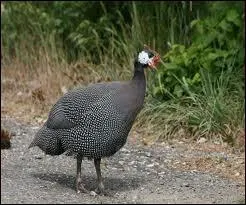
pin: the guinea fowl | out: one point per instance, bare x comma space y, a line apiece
94, 121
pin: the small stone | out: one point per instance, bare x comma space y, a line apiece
37, 157
113, 168
157, 164
150, 165
241, 161
121, 163
131, 163
92, 193
186, 184
176, 162
124, 150
202, 140
148, 154
19, 93
237, 174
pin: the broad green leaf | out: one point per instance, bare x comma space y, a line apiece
225, 25
232, 15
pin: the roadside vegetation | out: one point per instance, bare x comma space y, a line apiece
197, 91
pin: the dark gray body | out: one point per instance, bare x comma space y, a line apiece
92, 122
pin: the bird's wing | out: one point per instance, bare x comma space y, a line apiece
72, 109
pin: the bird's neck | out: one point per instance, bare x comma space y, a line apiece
139, 76
138, 72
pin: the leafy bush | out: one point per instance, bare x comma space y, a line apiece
217, 46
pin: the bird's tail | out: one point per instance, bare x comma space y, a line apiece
48, 140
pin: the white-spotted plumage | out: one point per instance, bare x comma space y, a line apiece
94, 121
88, 122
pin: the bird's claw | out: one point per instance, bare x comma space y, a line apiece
81, 188
101, 191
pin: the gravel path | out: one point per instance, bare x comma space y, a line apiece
136, 174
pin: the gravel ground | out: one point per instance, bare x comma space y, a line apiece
136, 174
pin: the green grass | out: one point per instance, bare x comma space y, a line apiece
216, 112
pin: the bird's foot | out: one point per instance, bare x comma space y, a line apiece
100, 188
80, 188
101, 191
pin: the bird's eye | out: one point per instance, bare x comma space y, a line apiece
151, 55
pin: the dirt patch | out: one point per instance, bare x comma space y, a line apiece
208, 157
233, 169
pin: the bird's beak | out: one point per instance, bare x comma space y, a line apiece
154, 61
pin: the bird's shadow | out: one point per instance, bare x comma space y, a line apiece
111, 183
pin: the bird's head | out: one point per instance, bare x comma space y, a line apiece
148, 58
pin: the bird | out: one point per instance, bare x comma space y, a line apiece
93, 122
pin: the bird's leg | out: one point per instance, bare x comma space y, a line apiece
79, 185
100, 186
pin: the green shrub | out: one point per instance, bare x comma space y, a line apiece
216, 46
